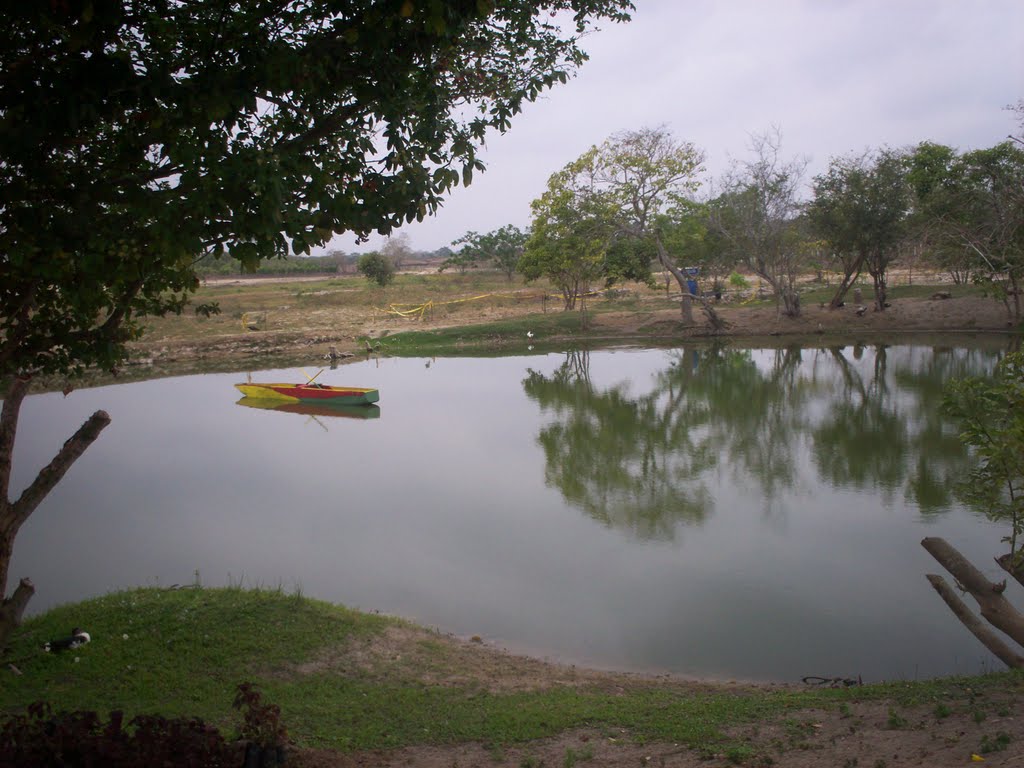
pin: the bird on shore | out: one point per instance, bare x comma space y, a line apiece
529, 334
78, 638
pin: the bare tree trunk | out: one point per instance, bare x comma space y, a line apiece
791, 301
850, 275
12, 608
978, 628
878, 278
995, 609
686, 303
14, 514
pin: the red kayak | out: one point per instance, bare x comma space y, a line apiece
320, 393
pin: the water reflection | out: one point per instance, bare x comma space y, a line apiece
697, 510
630, 462
644, 461
312, 409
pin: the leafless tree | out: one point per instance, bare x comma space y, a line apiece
397, 249
758, 212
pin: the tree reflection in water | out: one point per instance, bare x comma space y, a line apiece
856, 417
633, 463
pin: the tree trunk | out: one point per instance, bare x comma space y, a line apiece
12, 608
714, 319
995, 609
14, 514
850, 275
791, 302
686, 302
686, 305
978, 628
878, 278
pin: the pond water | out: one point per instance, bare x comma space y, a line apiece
726, 513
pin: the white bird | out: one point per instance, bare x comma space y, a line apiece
529, 334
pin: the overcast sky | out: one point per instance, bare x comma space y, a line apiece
836, 76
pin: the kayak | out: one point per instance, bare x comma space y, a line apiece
311, 392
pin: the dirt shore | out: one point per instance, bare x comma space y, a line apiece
964, 722
309, 338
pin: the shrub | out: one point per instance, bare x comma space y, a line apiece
736, 280
42, 738
376, 268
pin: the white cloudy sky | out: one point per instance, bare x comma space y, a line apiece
836, 76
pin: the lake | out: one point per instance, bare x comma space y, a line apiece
713, 512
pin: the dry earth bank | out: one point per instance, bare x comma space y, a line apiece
299, 322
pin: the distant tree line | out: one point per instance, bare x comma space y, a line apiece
333, 262
636, 200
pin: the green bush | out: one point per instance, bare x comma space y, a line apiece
376, 268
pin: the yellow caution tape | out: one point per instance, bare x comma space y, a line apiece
411, 310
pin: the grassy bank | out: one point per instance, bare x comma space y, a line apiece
347, 680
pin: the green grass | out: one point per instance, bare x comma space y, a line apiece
484, 337
182, 652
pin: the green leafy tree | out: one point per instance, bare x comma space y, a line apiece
629, 258
991, 416
626, 188
930, 175
860, 208
502, 248
972, 205
569, 241
989, 218
641, 177
466, 257
137, 136
377, 268
687, 231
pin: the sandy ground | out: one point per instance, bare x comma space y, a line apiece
973, 724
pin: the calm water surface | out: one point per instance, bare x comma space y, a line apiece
740, 513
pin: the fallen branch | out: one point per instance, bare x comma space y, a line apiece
995, 609
977, 627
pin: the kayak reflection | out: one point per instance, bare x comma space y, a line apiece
312, 408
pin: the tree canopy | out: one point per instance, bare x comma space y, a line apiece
626, 189
138, 136
971, 206
569, 239
377, 268
502, 247
861, 207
